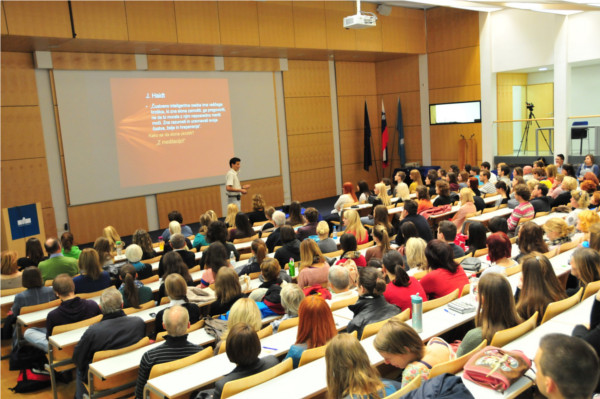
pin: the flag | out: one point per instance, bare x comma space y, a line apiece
367, 142
384, 137
400, 129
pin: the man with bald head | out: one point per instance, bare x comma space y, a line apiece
176, 346
57, 263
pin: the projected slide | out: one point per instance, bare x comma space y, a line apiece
170, 129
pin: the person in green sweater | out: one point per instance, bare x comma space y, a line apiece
57, 263
496, 311
68, 249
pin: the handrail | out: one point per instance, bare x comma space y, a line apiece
525, 120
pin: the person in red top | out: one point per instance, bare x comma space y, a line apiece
354, 226
444, 275
401, 285
423, 199
348, 245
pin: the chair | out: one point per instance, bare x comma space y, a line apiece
12, 291
502, 206
373, 328
466, 290
237, 386
558, 307
420, 275
265, 332
436, 303
365, 245
458, 260
164, 300
481, 252
456, 365
514, 239
254, 275
256, 224
48, 283
246, 256
153, 260
579, 132
488, 210
540, 214
591, 289
196, 326
288, 323
150, 279
74, 326
344, 303
247, 239
310, 355
470, 215
349, 204
552, 253
143, 306
503, 337
524, 220
567, 246
89, 295
514, 270
411, 386
276, 248
334, 254
35, 308
164, 368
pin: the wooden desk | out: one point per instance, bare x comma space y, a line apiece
486, 217
543, 219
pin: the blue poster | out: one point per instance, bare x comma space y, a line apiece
23, 221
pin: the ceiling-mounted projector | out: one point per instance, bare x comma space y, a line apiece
360, 20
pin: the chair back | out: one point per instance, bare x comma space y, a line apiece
74, 326
455, 365
241, 240
540, 214
514, 269
164, 300
365, 245
492, 209
567, 246
254, 275
89, 295
265, 332
151, 279
458, 260
288, 323
558, 307
503, 337
578, 131
411, 386
552, 253
524, 220
246, 256
12, 291
48, 283
196, 326
466, 290
240, 385
256, 224
41, 306
310, 355
143, 306
420, 275
101, 355
334, 254
373, 328
343, 303
591, 289
481, 252
164, 368
436, 303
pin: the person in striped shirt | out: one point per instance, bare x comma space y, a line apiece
523, 210
176, 346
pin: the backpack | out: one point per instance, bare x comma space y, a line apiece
31, 380
27, 357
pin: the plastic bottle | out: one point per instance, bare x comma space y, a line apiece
417, 312
231, 258
119, 245
334, 232
292, 267
161, 243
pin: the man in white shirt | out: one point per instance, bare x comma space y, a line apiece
487, 186
486, 166
559, 161
234, 188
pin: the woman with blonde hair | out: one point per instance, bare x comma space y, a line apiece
579, 201
232, 210
585, 267
175, 228
142, 238
326, 243
415, 254
467, 206
349, 371
227, 291
415, 176
382, 193
354, 226
401, 190
92, 278
557, 232
244, 310
551, 172
567, 186
313, 267
110, 233
103, 247
259, 206
382, 244
10, 276
556, 186
586, 219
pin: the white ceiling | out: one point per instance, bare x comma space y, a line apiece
562, 7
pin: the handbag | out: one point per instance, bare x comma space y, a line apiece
471, 264
496, 368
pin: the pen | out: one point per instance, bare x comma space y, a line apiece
272, 349
449, 312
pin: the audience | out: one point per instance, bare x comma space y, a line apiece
134, 255
353, 225
259, 253
499, 252
498, 223
177, 217
401, 286
401, 190
92, 277
531, 239
476, 234
34, 254
290, 246
348, 197
444, 275
176, 290
487, 187
295, 214
291, 297
68, 249
200, 238
349, 246
243, 227
57, 263
409, 214
539, 199
113, 237
269, 292
232, 211
442, 189
447, 233
259, 206
415, 176
313, 267
579, 201
35, 293
557, 232
382, 244
326, 243
274, 238
564, 197
585, 267
310, 227
142, 238
340, 284
423, 200
10, 276
523, 210
175, 228
467, 207
415, 255
227, 291
133, 291
215, 258
103, 247
217, 232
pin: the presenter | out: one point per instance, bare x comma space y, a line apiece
232, 184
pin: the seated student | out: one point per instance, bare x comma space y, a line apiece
349, 371
371, 306
295, 214
177, 217
523, 210
227, 291
540, 200
401, 286
567, 367
486, 166
111, 234
259, 253
585, 267
415, 255
415, 177
11, 276
179, 248
269, 292
259, 206
579, 201
363, 192
407, 231
175, 228
326, 244
401, 346
142, 238
340, 284
447, 233
313, 268
499, 252
316, 327
430, 180
56, 263
176, 346
274, 239
401, 190
243, 348
567, 186
348, 246
453, 182
467, 206
200, 238
409, 214
498, 223
34, 254
557, 232
556, 188
476, 234
35, 293
353, 225
442, 189
133, 291
244, 310
243, 227
310, 227
291, 296
381, 198
217, 232
423, 199
538, 287
504, 192
103, 247
474, 186
382, 244
215, 258
463, 179
381, 217
72, 309
92, 278
444, 275
176, 290
134, 254
504, 174
487, 187
270, 225
586, 220
290, 246
531, 239
68, 249
496, 311
539, 174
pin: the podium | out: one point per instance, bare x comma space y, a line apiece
19, 224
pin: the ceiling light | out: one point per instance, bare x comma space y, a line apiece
542, 69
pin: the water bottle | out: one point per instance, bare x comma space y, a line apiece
292, 267
119, 246
334, 232
161, 243
231, 258
417, 312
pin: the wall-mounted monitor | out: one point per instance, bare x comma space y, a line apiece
451, 113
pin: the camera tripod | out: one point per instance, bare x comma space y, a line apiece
525, 136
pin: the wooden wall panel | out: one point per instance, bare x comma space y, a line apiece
25, 181
504, 93
197, 22
310, 151
339, 38
270, 188
369, 39
403, 31
454, 68
18, 79
444, 142
275, 23
355, 78
180, 63
100, 20
306, 79
3, 20
309, 24
398, 75
412, 144
352, 149
351, 112
312, 184
308, 115
151, 21
19, 122
191, 203
38, 18
94, 61
410, 103
239, 23
50, 222
251, 64
451, 28
126, 215
353, 173
454, 94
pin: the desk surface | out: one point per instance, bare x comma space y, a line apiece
488, 216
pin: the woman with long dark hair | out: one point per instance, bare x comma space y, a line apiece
445, 275
34, 254
349, 246
242, 229
133, 291
401, 286
531, 239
